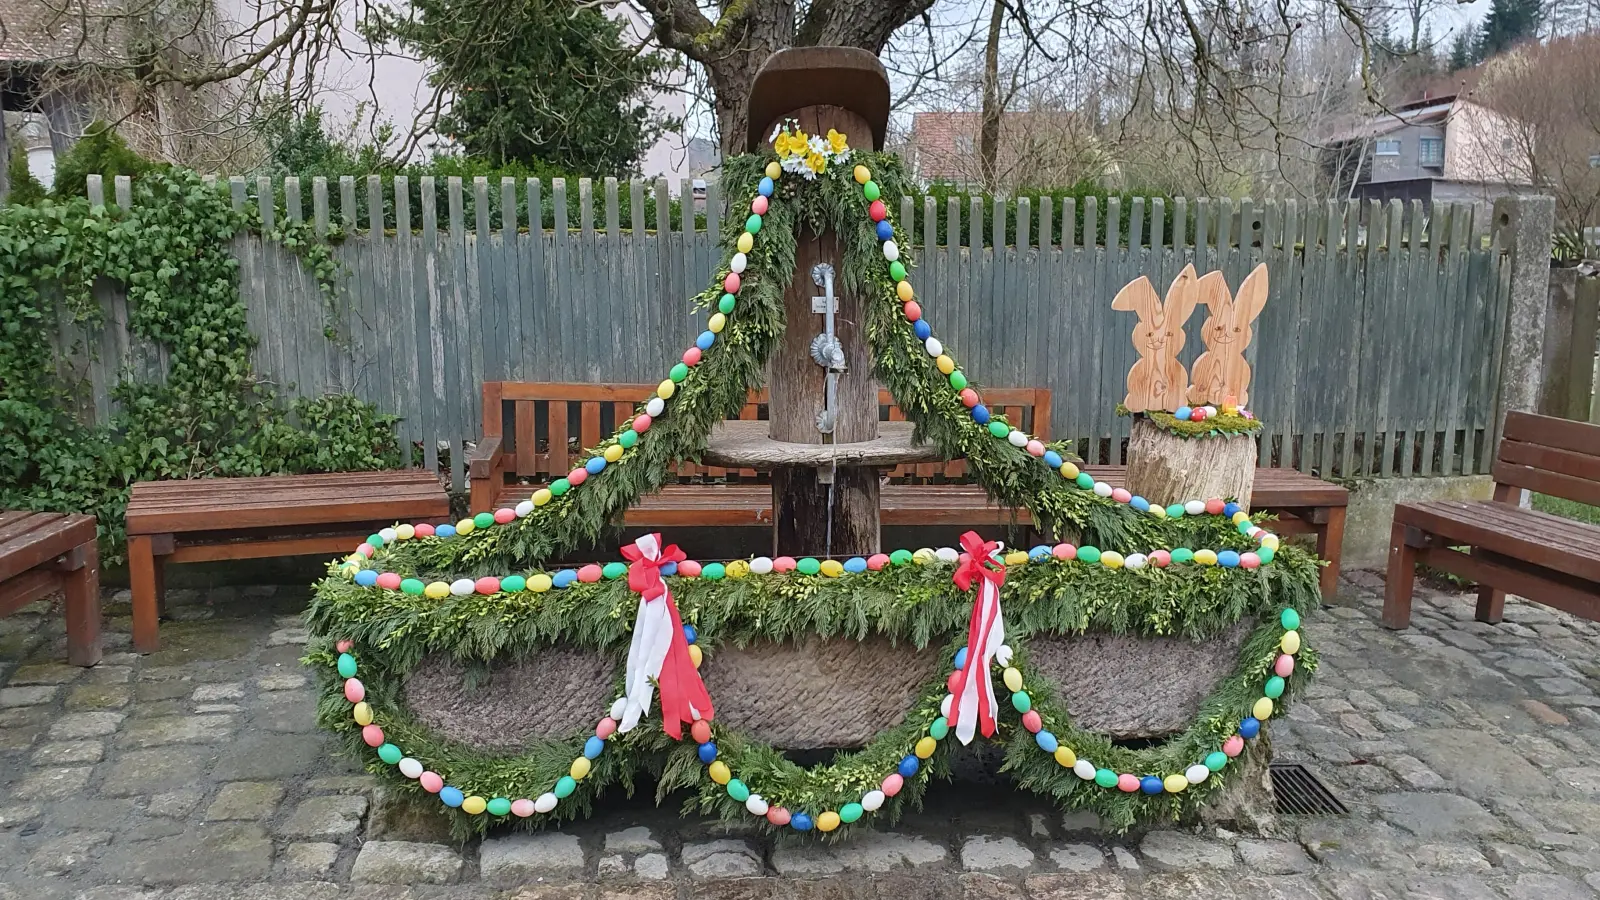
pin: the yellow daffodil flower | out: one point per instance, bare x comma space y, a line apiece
816, 163
836, 141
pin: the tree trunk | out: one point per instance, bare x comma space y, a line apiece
806, 523
989, 131
1164, 468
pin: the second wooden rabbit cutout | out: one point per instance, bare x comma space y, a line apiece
1221, 374
1158, 380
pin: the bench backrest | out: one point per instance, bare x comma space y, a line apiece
1559, 457
544, 427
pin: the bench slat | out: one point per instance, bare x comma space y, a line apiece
1539, 538
46, 536
1516, 577
392, 477
1544, 482
1548, 431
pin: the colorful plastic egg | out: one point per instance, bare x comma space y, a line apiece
1290, 642
1151, 784
756, 805
1274, 687
719, 772
1175, 784
474, 805
410, 768
1249, 727
761, 565
372, 735
1283, 667
778, 816
1262, 708
1196, 773
1127, 783
546, 802
800, 822
346, 666
1064, 551
362, 713
431, 782
908, 767
1216, 760
1233, 746
877, 561
522, 808
892, 784
872, 800
925, 747
354, 690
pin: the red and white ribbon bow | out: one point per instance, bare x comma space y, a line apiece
659, 652
974, 704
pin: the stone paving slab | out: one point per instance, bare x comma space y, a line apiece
1468, 755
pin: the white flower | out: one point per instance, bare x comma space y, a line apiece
819, 144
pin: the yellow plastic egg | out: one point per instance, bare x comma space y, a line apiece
1290, 642
437, 590
832, 568
665, 389
716, 323
1271, 541
862, 174
1205, 557
1176, 784
1263, 709
1240, 516
925, 747
828, 821
774, 170
350, 570
1069, 470
1111, 559
613, 453
542, 496
474, 805
1012, 676
580, 768
466, 526
539, 583
1158, 510
903, 290
746, 241
405, 532
737, 569
696, 655
719, 772
1017, 558
945, 364
363, 714
924, 556
1065, 756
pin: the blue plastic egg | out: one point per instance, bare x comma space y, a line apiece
705, 340
1183, 413
1046, 741
800, 822
855, 564
909, 766
708, 753
922, 329
596, 465
1150, 784
1250, 727
451, 796
961, 658
1228, 558
765, 187
670, 568
1052, 459
690, 634
885, 230
1039, 552
445, 531
366, 578
564, 578
1229, 508
980, 414
593, 747
1139, 503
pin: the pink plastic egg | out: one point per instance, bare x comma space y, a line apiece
577, 476
913, 311
431, 782
1160, 558
1064, 551
1215, 506
689, 569
1127, 783
877, 211
641, 423
759, 205
783, 564
893, 784
488, 584
731, 283
1249, 560
1032, 722
366, 549
422, 529
354, 690
969, 398
1035, 448
1233, 746
589, 574
1284, 666
606, 728
953, 683
877, 561
691, 356
1121, 495
389, 581
522, 808
373, 735
502, 516
345, 645
777, 815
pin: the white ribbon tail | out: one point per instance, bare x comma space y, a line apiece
652, 636
992, 635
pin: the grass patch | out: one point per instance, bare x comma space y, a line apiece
1567, 509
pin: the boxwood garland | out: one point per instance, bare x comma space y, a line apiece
1220, 425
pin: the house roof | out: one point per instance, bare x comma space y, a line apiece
61, 31
1419, 112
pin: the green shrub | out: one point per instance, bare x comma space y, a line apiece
101, 151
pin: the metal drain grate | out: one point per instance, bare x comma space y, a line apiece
1300, 793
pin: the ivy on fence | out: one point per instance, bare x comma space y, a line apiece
212, 416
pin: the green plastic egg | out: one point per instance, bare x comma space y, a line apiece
1175, 511
850, 812
1290, 620
939, 729
412, 586
376, 540
1183, 555
1089, 554
628, 439
713, 571
871, 191
998, 428
900, 557
499, 806
897, 270
808, 566
958, 380
564, 787
679, 372
1105, 778
614, 570
390, 754
753, 224
1020, 699
1215, 760
483, 520
1085, 481
738, 791
726, 304
512, 583
1266, 554
560, 486
347, 666
1274, 687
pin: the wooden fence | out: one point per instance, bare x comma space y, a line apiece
1378, 353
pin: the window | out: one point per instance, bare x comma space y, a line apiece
964, 143
1508, 144
1389, 147
1430, 151
1594, 160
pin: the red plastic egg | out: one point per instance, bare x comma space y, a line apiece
877, 561
345, 645
700, 731
422, 529
488, 584
689, 569
590, 574
1160, 559
969, 398
731, 283
641, 422
1032, 722
783, 564
893, 784
606, 728
1064, 551
431, 782
1215, 506
691, 356
372, 735
502, 516
759, 205
777, 815
877, 211
913, 311
953, 683
577, 476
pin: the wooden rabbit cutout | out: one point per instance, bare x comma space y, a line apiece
1158, 379
1221, 371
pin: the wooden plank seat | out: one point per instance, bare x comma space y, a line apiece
208, 519
1304, 504
1544, 558
45, 552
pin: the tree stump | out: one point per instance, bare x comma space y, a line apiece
1165, 468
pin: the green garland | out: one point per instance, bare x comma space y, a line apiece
1219, 425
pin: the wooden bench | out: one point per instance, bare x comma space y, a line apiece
248, 518
41, 553
1538, 556
535, 432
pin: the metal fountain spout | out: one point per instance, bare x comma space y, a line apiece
826, 348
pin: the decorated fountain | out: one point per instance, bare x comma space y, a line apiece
1128, 666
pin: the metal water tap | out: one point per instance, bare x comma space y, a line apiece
826, 350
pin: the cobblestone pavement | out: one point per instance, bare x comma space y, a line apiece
1469, 756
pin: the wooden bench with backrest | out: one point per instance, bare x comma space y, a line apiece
41, 553
533, 432
1533, 554
207, 519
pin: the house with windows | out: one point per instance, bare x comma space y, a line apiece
1440, 149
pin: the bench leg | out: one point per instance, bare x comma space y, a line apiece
1330, 540
82, 589
1491, 604
1402, 578
144, 573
